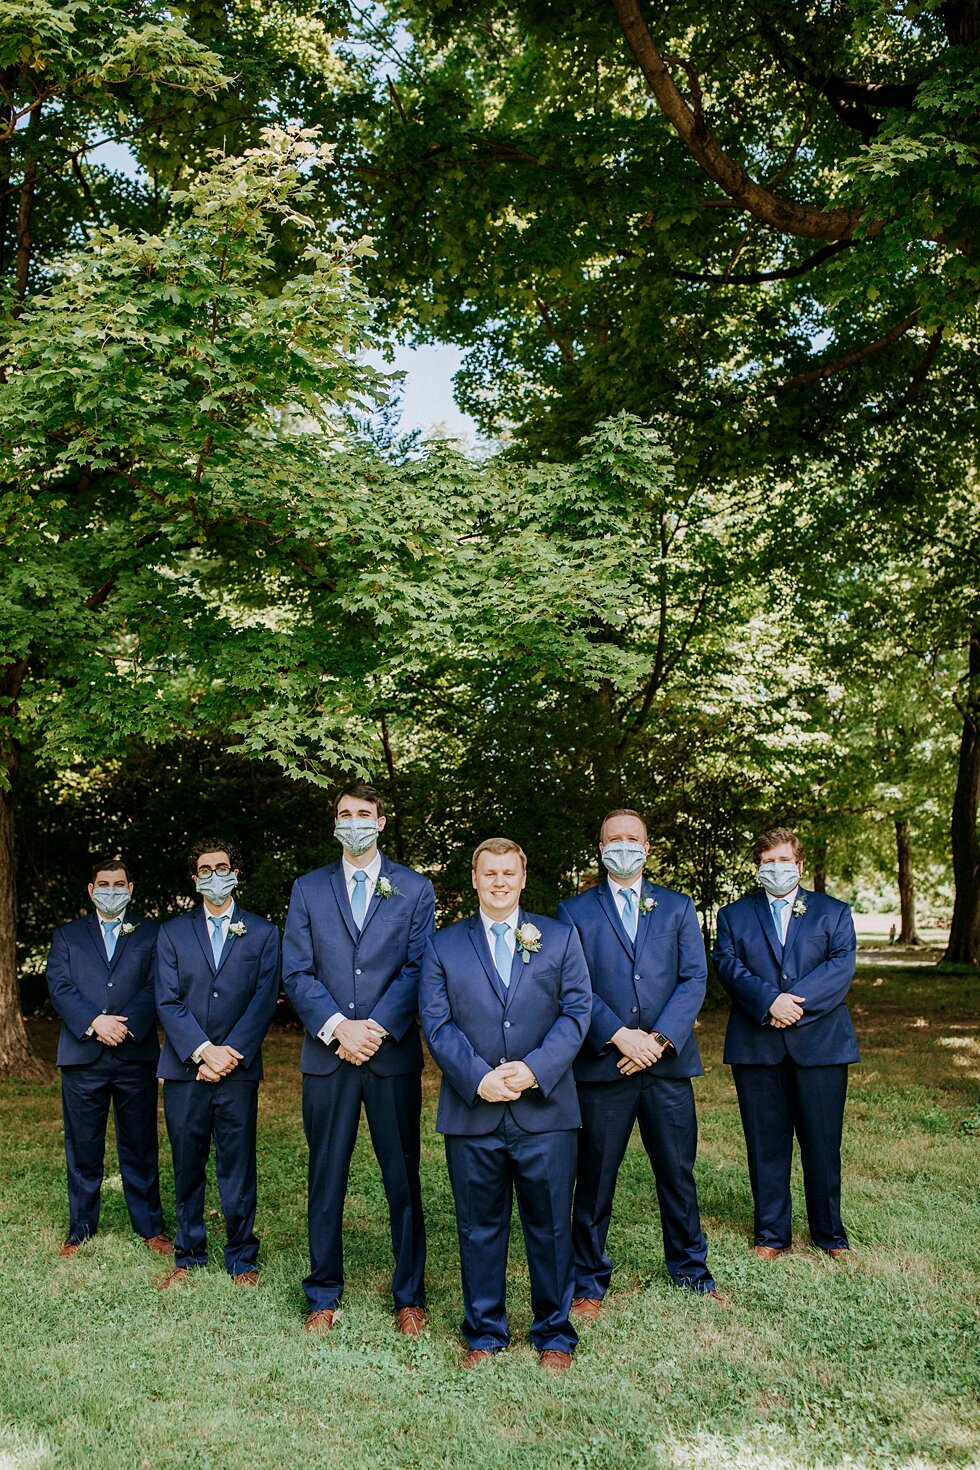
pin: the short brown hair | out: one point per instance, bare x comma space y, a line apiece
500, 845
361, 792
214, 844
621, 811
775, 837
110, 865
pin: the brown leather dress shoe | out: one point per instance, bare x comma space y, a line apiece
585, 1308
553, 1360
842, 1252
770, 1252
412, 1321
69, 1248
161, 1245
173, 1278
720, 1298
323, 1320
476, 1356
246, 1278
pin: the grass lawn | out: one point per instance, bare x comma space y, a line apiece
873, 1363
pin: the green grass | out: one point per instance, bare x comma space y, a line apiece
818, 1365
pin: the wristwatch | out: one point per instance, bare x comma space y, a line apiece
662, 1040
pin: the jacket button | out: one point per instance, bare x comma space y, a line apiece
104, 1011
357, 972
506, 1025
785, 977
110, 984
351, 1006
633, 1010
637, 977
503, 1061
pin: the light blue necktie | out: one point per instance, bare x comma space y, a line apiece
778, 904
358, 903
501, 954
217, 939
110, 933
629, 911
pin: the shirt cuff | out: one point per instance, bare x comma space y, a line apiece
326, 1031
196, 1055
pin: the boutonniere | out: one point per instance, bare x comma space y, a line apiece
528, 938
127, 928
238, 929
384, 889
799, 908
647, 904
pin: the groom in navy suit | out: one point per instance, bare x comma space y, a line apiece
786, 958
505, 1006
100, 980
217, 986
352, 955
646, 958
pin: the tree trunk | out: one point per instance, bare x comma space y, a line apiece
906, 883
16, 1057
964, 934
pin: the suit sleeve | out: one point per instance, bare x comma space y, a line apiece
309, 997
460, 1064
398, 1007
604, 1022
183, 1032
826, 987
753, 994
71, 1005
248, 1031
676, 1020
563, 1041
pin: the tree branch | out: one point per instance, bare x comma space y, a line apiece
757, 278
781, 214
850, 359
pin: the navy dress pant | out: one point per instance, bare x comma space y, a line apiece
196, 1113
776, 1102
87, 1093
669, 1130
331, 1115
485, 1172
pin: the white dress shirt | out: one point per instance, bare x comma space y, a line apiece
617, 890
373, 871
784, 914
508, 938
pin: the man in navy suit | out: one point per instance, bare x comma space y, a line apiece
217, 986
100, 979
505, 1006
352, 955
786, 958
646, 958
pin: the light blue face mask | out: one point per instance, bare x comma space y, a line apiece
217, 886
778, 879
356, 834
110, 901
624, 859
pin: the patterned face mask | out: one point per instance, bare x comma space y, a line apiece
356, 834
624, 859
779, 879
217, 886
110, 901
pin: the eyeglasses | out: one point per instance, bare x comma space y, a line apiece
220, 870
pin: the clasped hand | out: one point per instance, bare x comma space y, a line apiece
506, 1082
110, 1030
786, 1010
217, 1062
357, 1041
640, 1050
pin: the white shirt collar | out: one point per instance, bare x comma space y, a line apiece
617, 888
789, 898
372, 870
510, 921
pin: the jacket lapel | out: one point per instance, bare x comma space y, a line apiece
121, 939
795, 920
478, 939
203, 933
375, 902
764, 913
339, 886
643, 921
95, 934
608, 904
517, 965
230, 939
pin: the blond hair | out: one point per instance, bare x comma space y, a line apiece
499, 846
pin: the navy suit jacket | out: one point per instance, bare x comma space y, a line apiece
473, 1023
83, 983
657, 984
816, 962
328, 966
231, 1006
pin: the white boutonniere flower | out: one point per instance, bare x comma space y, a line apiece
127, 928
528, 939
238, 929
384, 889
799, 908
647, 904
